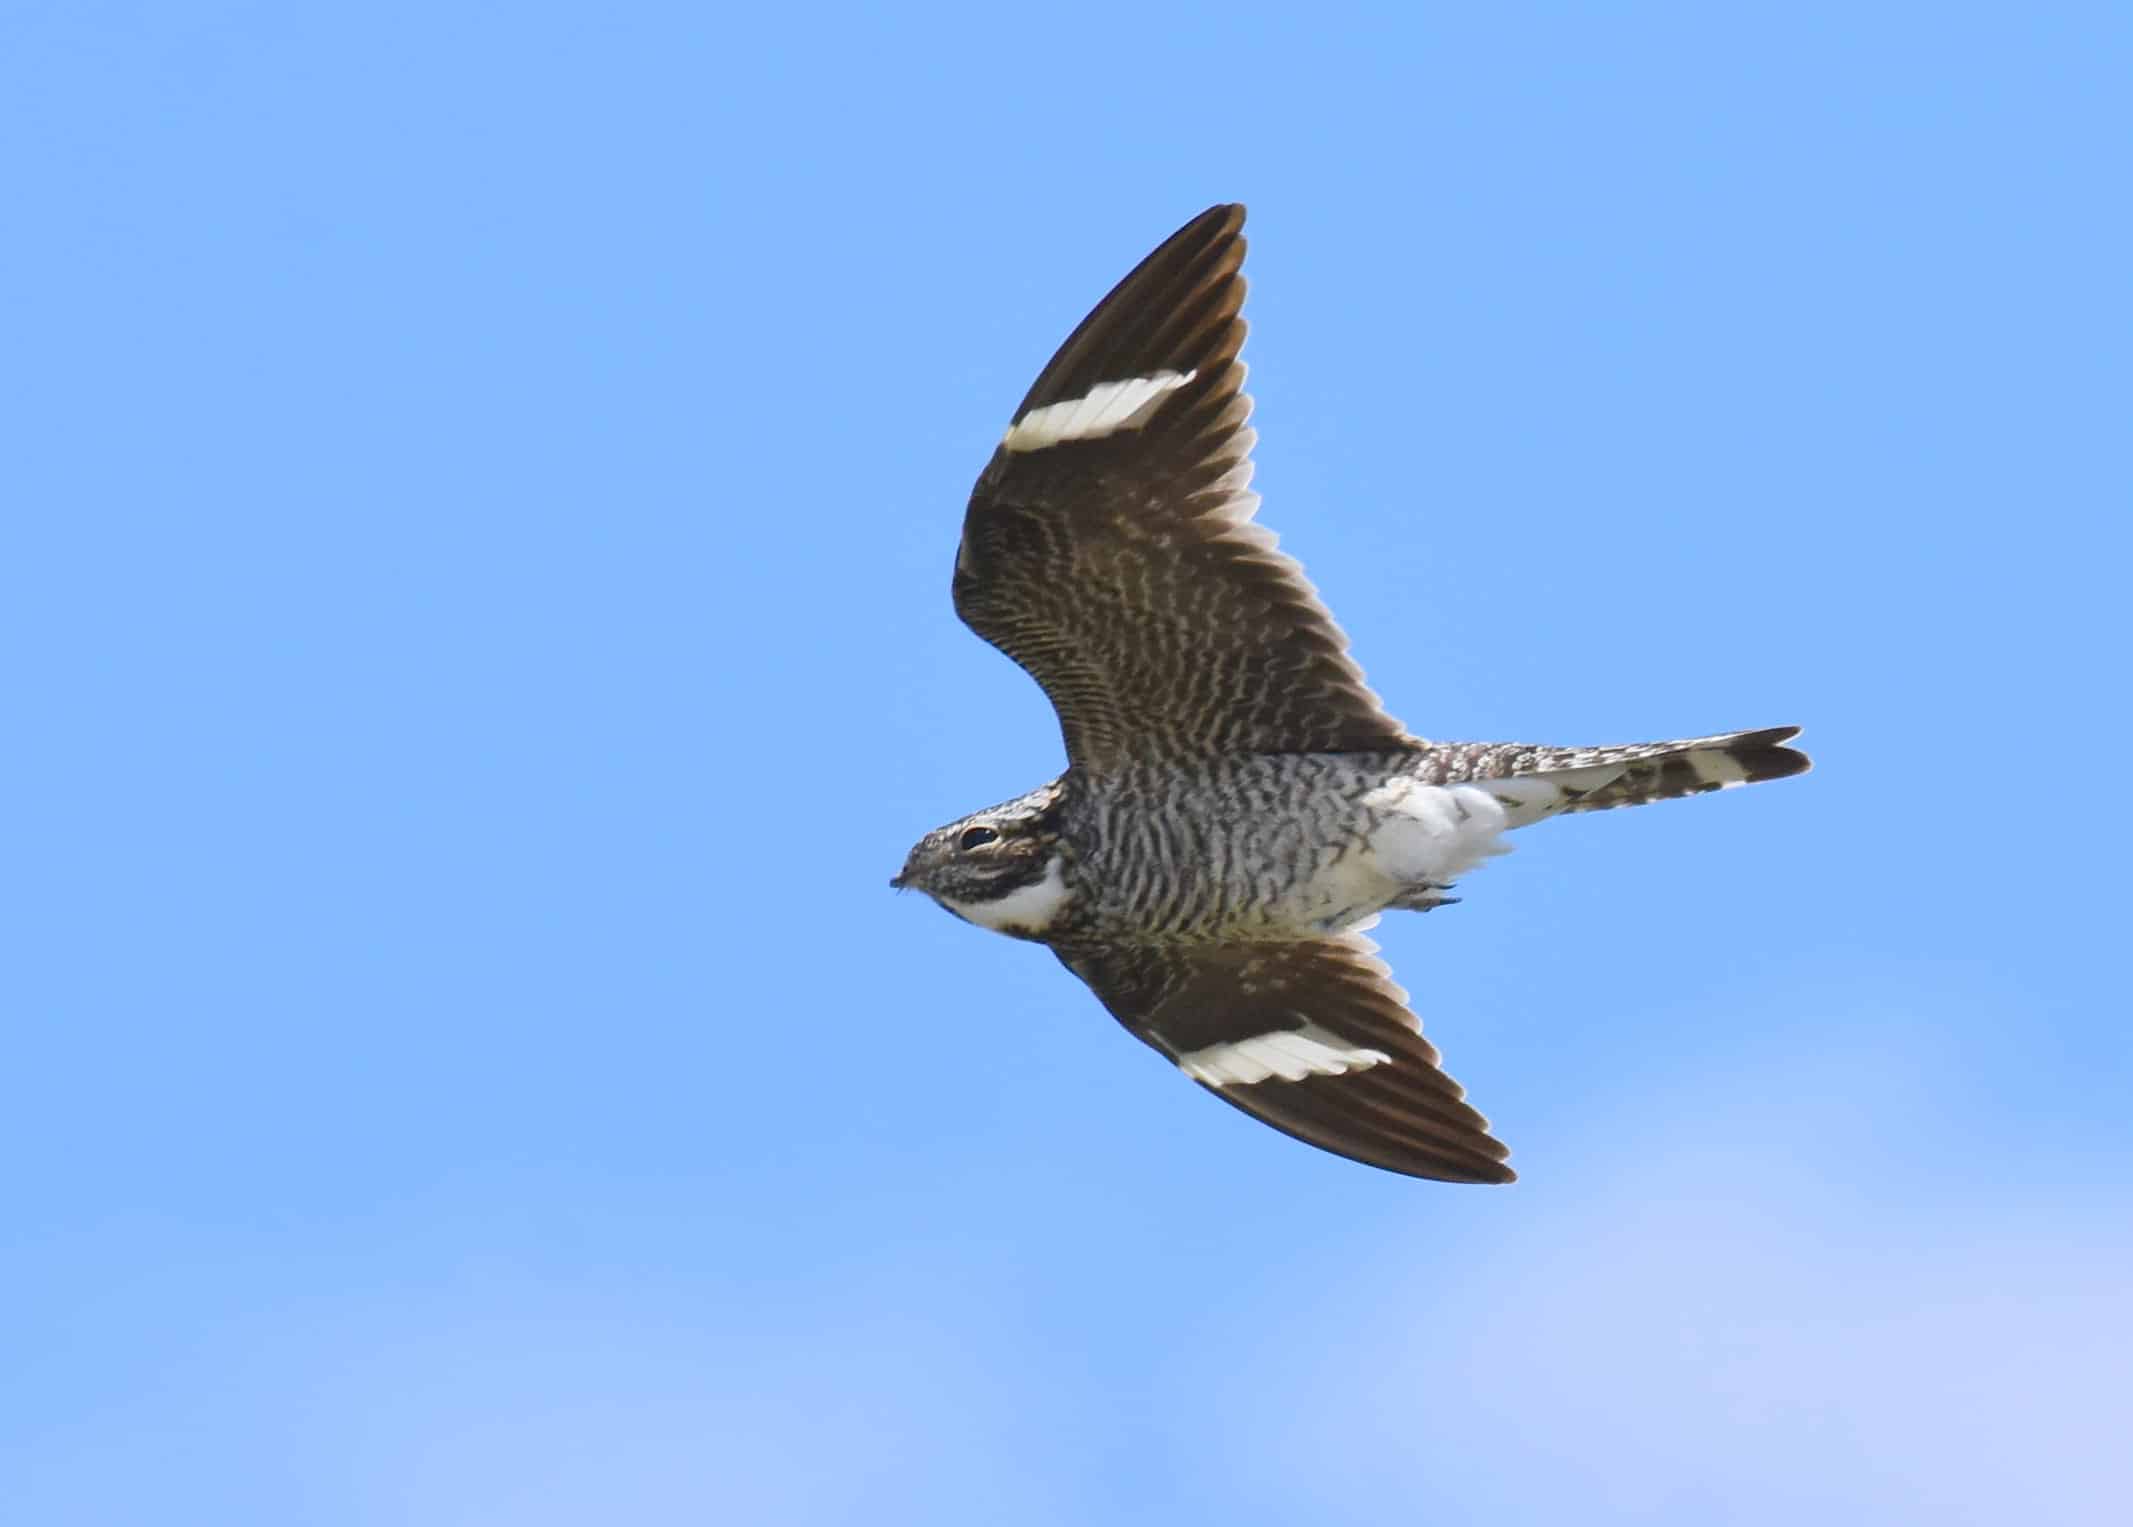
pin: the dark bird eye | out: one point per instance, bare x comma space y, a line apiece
975, 837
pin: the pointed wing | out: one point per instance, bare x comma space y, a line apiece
1311, 1037
1109, 549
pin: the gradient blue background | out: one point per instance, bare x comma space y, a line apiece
479, 489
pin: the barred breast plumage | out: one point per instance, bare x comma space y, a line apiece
1237, 804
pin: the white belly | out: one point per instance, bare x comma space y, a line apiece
1425, 835
1435, 833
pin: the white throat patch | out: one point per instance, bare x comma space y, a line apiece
1029, 909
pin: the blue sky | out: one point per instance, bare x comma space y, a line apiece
480, 484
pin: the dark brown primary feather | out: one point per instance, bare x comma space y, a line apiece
1123, 572
1402, 1113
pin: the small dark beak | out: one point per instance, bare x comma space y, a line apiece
896, 883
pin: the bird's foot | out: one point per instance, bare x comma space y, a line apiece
1424, 898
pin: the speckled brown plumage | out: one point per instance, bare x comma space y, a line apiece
1237, 805
1124, 571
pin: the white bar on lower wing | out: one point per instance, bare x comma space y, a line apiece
1291, 1054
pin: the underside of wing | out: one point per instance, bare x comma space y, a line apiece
1109, 546
1311, 1037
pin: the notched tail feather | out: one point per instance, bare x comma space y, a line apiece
1665, 771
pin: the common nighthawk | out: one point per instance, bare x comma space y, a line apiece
1237, 807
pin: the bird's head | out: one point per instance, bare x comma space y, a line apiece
1002, 868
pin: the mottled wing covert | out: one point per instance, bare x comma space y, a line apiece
1109, 548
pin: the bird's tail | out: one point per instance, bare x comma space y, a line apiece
1539, 782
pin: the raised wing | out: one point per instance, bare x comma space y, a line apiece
1311, 1037
1109, 548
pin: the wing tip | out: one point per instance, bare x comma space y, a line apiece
1360, 1128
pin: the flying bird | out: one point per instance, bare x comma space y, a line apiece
1237, 806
